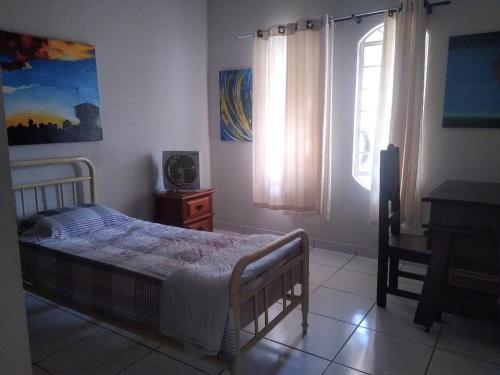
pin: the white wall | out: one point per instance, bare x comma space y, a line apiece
448, 153
468, 154
348, 228
152, 69
14, 345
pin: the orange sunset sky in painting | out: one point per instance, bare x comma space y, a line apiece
67, 51
44, 79
38, 118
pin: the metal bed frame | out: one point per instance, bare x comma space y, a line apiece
239, 292
57, 183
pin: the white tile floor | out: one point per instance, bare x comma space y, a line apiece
348, 335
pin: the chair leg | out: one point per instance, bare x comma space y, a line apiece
438, 316
393, 272
382, 280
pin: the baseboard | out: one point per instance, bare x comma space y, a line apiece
315, 242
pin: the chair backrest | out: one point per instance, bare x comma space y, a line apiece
389, 203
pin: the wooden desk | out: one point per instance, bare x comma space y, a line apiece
464, 232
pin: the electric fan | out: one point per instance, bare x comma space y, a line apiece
181, 170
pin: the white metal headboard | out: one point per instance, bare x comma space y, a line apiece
56, 183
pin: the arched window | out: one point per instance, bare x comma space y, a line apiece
367, 92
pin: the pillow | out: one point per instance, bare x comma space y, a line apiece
66, 222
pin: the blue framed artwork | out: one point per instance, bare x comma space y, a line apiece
50, 90
235, 89
472, 98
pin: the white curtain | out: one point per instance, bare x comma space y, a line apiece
292, 95
402, 79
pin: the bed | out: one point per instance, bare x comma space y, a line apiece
188, 289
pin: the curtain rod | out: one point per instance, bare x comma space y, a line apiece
359, 16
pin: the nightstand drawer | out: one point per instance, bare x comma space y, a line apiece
187, 209
205, 225
197, 207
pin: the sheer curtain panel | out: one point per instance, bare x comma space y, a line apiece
404, 34
292, 100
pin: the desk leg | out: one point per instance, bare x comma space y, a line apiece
426, 310
498, 277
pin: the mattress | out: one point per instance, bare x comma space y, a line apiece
165, 278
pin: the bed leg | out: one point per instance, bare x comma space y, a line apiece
235, 365
305, 283
305, 312
235, 368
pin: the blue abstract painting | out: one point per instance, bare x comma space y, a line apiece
235, 105
50, 90
472, 96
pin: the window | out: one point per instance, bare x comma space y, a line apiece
367, 92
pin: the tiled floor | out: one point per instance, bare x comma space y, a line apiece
348, 335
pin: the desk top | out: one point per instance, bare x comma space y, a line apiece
484, 193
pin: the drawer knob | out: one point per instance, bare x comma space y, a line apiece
199, 207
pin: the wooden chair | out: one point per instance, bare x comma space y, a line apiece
394, 246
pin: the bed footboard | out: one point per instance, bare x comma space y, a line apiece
287, 272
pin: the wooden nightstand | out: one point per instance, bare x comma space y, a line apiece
193, 210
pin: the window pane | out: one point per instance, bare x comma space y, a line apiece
372, 55
369, 100
365, 143
376, 36
367, 94
371, 78
367, 121
365, 162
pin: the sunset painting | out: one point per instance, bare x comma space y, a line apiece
235, 105
50, 90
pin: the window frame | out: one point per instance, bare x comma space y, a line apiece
363, 178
